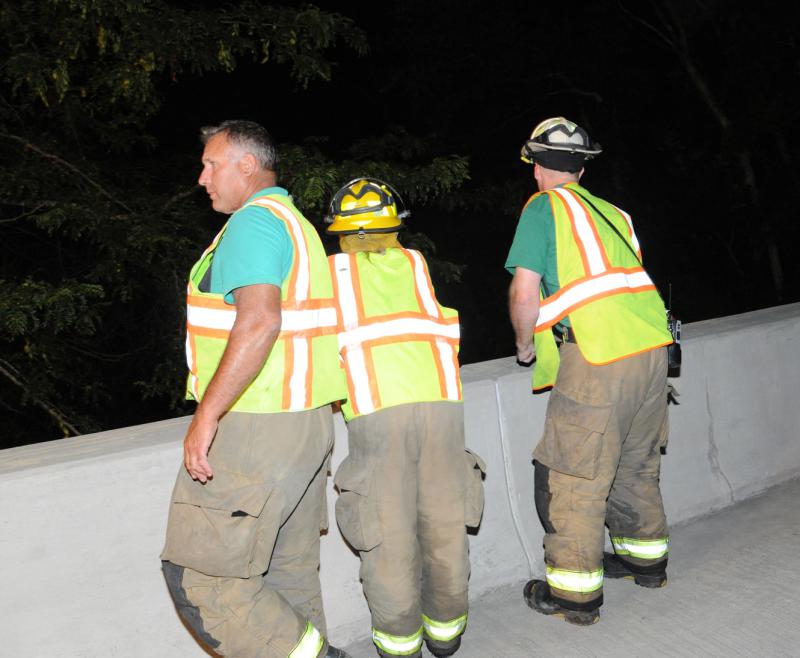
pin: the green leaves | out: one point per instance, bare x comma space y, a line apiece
33, 306
116, 59
100, 224
313, 177
98, 235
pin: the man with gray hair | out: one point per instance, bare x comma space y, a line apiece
241, 558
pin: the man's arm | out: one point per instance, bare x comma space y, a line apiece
523, 307
257, 325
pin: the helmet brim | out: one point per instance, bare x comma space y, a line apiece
537, 147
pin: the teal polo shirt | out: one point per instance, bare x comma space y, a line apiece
534, 245
255, 248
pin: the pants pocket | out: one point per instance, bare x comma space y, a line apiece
573, 436
357, 511
221, 528
473, 493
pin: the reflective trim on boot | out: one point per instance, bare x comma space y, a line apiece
580, 582
398, 645
644, 549
310, 644
537, 595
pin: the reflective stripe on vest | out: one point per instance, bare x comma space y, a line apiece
310, 643
444, 631
644, 549
613, 306
634, 239
585, 232
359, 333
302, 318
398, 645
600, 279
612, 282
581, 582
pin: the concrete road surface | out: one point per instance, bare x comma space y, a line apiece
734, 590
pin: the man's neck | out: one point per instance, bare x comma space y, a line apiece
559, 181
263, 182
256, 185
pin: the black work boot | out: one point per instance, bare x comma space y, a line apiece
537, 596
383, 654
614, 567
333, 652
443, 649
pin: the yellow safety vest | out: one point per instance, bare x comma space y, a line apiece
397, 343
613, 306
302, 370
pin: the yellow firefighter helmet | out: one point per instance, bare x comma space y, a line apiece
366, 205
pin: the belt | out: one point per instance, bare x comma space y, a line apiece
567, 335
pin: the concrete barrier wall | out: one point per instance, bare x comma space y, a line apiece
82, 520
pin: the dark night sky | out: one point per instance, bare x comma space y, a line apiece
474, 78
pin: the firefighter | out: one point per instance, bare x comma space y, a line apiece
241, 558
578, 277
408, 487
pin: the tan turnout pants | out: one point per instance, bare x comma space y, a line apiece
407, 490
241, 559
599, 462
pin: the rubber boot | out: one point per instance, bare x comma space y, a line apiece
615, 567
537, 596
383, 654
443, 649
333, 652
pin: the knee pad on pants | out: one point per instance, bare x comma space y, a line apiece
542, 496
190, 614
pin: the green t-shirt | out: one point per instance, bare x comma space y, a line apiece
255, 248
534, 245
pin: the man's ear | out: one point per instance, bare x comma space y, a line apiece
247, 164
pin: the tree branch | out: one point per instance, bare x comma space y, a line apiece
648, 26
67, 165
179, 197
8, 220
9, 372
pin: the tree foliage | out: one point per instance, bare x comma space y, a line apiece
99, 223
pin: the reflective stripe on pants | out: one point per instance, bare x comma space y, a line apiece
309, 645
444, 631
642, 549
397, 645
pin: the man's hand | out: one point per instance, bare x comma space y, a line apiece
523, 307
195, 448
526, 354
